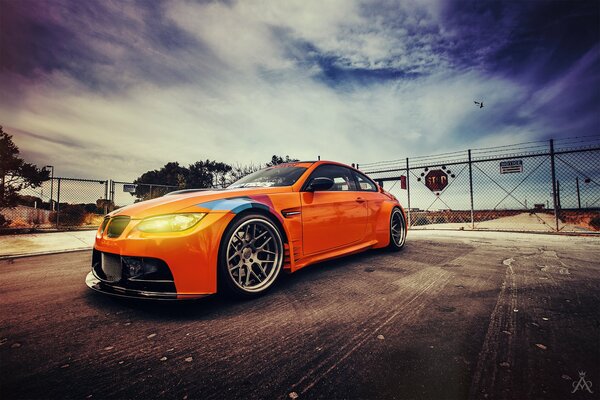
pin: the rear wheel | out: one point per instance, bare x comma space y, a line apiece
251, 256
397, 230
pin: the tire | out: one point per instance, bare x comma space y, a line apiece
397, 230
250, 256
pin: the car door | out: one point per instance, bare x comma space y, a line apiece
333, 218
370, 192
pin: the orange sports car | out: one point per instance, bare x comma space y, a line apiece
239, 239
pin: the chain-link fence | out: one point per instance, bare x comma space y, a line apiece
551, 186
58, 203
538, 186
73, 203
126, 193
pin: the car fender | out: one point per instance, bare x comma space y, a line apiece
258, 203
382, 225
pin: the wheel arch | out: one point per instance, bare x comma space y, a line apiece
243, 205
255, 207
383, 222
266, 213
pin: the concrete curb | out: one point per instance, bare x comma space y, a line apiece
44, 253
551, 233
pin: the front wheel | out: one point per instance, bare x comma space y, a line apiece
251, 256
397, 230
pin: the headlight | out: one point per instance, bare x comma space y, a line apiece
170, 223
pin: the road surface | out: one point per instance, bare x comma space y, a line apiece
453, 316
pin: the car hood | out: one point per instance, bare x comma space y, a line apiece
192, 202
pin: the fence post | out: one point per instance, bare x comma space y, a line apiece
112, 192
150, 191
471, 189
105, 197
408, 189
553, 183
58, 204
578, 196
52, 191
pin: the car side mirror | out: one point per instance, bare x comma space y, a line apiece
319, 184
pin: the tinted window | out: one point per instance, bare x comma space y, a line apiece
272, 176
364, 183
342, 177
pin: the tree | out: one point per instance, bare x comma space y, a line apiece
171, 174
15, 173
275, 160
239, 171
201, 174
204, 174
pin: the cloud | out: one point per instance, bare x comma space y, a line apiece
112, 89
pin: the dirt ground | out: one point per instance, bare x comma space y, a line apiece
525, 222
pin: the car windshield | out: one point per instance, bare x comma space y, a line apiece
278, 175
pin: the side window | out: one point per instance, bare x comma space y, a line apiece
364, 183
342, 177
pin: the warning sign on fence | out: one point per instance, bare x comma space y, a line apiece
129, 188
511, 167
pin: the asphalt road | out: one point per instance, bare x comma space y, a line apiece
453, 316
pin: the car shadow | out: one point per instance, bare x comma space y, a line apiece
219, 304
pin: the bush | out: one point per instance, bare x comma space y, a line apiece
4, 222
595, 223
35, 219
92, 208
72, 214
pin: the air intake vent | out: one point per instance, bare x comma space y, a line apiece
116, 226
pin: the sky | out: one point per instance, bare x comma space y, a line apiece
111, 89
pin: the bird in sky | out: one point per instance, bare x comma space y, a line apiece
479, 103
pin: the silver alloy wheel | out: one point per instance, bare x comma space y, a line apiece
254, 255
397, 228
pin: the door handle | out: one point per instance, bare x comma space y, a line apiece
360, 200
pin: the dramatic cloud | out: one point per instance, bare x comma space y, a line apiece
111, 89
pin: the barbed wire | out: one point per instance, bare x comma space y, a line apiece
524, 148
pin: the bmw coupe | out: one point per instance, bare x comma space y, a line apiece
191, 243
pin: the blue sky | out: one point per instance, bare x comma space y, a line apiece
110, 89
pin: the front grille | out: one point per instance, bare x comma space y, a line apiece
116, 226
111, 267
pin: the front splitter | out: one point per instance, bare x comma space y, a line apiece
115, 290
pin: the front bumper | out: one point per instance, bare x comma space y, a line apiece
191, 257
112, 274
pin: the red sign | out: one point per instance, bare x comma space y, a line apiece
436, 180
403, 182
